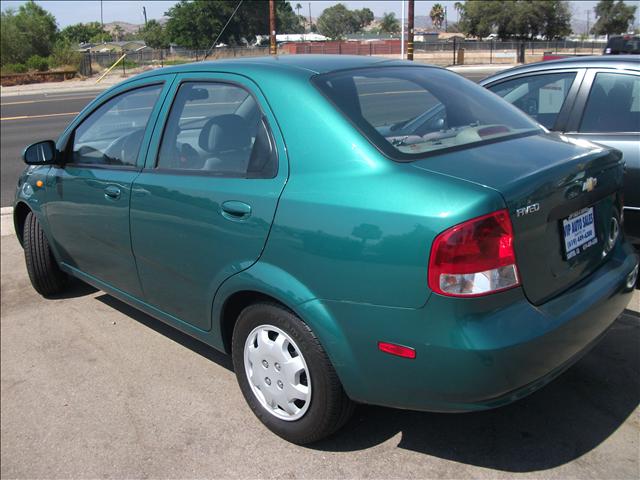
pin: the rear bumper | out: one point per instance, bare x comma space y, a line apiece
632, 225
479, 353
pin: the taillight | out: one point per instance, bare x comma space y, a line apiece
474, 258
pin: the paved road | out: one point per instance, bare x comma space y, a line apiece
30, 118
27, 119
92, 388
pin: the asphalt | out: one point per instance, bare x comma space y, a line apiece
26, 119
92, 388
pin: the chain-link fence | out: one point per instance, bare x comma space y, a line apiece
438, 52
96, 62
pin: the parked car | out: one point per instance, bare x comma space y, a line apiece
256, 205
622, 45
590, 98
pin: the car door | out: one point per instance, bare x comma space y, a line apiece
202, 208
88, 195
607, 111
547, 96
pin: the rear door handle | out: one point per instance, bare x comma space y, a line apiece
235, 210
112, 192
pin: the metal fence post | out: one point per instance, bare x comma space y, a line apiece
454, 50
491, 51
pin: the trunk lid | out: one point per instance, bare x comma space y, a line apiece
544, 180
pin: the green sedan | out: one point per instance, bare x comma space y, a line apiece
273, 209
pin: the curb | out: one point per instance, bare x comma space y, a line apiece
6, 221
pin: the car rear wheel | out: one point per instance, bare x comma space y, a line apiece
286, 376
45, 275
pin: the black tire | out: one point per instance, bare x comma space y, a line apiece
45, 275
329, 407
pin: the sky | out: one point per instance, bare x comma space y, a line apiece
70, 12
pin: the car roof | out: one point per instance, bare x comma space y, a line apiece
312, 64
631, 62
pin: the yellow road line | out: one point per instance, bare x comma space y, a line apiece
25, 117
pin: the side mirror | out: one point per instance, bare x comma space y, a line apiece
40, 153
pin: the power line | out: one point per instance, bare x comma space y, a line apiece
222, 31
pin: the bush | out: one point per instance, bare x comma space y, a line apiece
36, 62
64, 55
14, 68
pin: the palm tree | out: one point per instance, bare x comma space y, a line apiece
437, 15
459, 6
301, 19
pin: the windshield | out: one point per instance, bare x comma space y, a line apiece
409, 112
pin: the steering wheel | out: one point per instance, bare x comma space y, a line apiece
124, 150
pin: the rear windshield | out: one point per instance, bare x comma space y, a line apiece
409, 112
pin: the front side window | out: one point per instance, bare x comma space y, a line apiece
113, 133
539, 96
217, 129
613, 104
410, 112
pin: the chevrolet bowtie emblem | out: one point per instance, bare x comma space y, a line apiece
589, 184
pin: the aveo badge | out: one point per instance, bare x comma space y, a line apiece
533, 208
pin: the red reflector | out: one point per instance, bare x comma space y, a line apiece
398, 350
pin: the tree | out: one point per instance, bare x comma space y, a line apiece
516, 18
11, 47
337, 21
286, 20
37, 29
91, 32
459, 6
154, 35
613, 17
196, 24
389, 23
119, 32
364, 17
437, 15
298, 8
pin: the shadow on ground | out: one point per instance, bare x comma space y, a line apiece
169, 332
561, 422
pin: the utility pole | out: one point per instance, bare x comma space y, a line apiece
446, 22
144, 12
588, 21
272, 28
410, 31
310, 16
101, 22
402, 33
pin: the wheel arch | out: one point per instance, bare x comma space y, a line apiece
20, 212
269, 283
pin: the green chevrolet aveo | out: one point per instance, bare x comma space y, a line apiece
272, 209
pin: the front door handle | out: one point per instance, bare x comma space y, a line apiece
112, 192
235, 210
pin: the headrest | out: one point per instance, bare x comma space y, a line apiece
223, 133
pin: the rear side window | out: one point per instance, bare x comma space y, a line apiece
113, 133
539, 96
613, 104
410, 112
217, 129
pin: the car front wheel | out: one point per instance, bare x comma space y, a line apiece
286, 376
45, 275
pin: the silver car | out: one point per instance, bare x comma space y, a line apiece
595, 98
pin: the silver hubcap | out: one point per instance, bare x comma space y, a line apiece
277, 372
